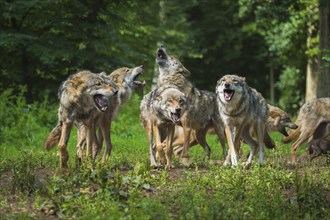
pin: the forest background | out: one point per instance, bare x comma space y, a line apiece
280, 46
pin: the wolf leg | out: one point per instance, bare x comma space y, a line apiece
302, 138
232, 157
169, 147
185, 157
65, 134
106, 133
201, 139
159, 145
81, 137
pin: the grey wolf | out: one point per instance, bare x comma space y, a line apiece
83, 97
313, 122
201, 114
125, 79
241, 108
318, 147
162, 109
277, 121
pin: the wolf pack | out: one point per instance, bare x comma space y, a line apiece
176, 116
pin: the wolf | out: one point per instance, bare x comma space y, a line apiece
126, 80
161, 110
277, 121
241, 108
83, 97
313, 122
318, 147
201, 114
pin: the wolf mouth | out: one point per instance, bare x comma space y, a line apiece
284, 132
136, 82
101, 102
175, 117
228, 94
161, 54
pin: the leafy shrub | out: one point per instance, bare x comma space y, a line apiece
22, 124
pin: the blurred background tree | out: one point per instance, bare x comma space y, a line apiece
280, 46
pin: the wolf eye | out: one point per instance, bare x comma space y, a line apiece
98, 83
181, 101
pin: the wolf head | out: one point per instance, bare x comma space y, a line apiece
127, 77
230, 89
171, 104
101, 88
279, 120
168, 64
87, 90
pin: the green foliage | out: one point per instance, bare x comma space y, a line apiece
291, 97
42, 42
22, 121
23, 179
284, 25
125, 187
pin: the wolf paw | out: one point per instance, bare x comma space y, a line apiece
226, 163
185, 161
261, 162
169, 167
246, 165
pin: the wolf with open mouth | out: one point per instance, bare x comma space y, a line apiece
201, 104
241, 108
162, 109
84, 96
126, 80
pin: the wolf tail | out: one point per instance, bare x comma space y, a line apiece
292, 135
53, 137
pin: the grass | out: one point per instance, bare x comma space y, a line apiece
125, 187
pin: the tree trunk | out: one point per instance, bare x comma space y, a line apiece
312, 60
271, 82
311, 78
323, 83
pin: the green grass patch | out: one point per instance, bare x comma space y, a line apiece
125, 187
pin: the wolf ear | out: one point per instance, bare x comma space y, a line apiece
185, 72
277, 121
242, 78
103, 73
159, 98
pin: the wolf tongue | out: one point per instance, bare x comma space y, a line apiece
175, 117
227, 95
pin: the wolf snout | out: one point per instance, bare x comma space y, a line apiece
161, 53
293, 126
227, 85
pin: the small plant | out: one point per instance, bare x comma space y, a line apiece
23, 179
309, 197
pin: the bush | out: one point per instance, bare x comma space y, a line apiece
22, 124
